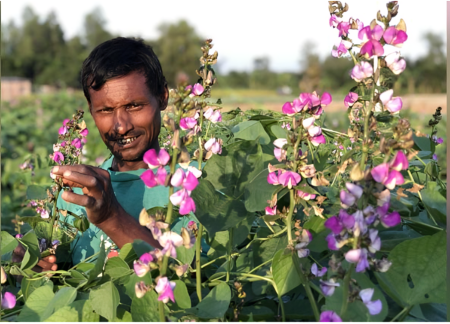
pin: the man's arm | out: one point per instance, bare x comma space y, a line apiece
102, 208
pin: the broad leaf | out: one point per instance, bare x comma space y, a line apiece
64, 314
36, 304
32, 254
99, 264
284, 272
186, 256
9, 243
63, 297
181, 295
215, 304
36, 192
116, 267
215, 211
127, 254
267, 250
145, 309
105, 300
249, 130
418, 271
85, 311
435, 203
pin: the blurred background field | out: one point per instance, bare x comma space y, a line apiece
40, 88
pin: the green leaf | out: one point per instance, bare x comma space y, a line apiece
116, 268
258, 191
348, 155
32, 254
186, 256
85, 311
230, 171
315, 223
321, 158
364, 282
422, 143
63, 297
140, 247
127, 254
418, 271
130, 285
64, 314
435, 203
249, 130
99, 264
181, 295
390, 239
284, 273
267, 250
28, 286
145, 309
9, 243
36, 192
77, 279
215, 211
432, 169
215, 304
105, 300
36, 304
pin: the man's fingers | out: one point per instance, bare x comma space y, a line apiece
80, 168
50, 259
81, 200
80, 180
47, 266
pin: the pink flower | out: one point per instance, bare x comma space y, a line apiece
213, 116
151, 180
380, 172
214, 146
341, 49
164, 288
84, 132
279, 154
394, 64
181, 198
76, 142
391, 104
308, 122
334, 21
317, 140
170, 241
394, 178
272, 178
154, 159
196, 172
65, 121
400, 161
314, 131
8, 300
286, 126
289, 179
390, 220
62, 130
305, 195
371, 38
271, 211
197, 90
343, 28
188, 180
187, 123
350, 99
329, 316
288, 109
394, 36
58, 157
361, 71
141, 266
374, 307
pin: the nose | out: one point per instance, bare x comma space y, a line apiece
122, 122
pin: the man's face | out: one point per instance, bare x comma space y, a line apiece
128, 118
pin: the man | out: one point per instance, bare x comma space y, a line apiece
126, 91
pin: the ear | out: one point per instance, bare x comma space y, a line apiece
164, 99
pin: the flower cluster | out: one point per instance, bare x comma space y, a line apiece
40, 206
303, 240
389, 174
72, 136
307, 102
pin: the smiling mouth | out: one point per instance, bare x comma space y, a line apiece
125, 141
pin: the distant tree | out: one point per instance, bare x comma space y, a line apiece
178, 49
310, 67
94, 31
335, 74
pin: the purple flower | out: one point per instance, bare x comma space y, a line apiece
350, 99
341, 49
329, 316
164, 288
439, 140
170, 241
329, 286
154, 159
142, 266
334, 224
316, 272
8, 300
58, 157
358, 256
343, 28
375, 241
332, 242
390, 220
361, 71
374, 307
305, 195
394, 36
435, 157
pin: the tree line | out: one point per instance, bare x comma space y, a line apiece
38, 50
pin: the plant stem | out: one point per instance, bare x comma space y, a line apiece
260, 266
401, 316
289, 217
54, 215
171, 188
198, 264
305, 281
162, 315
346, 287
84, 261
230, 249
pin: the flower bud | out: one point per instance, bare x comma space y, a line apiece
4, 277
140, 288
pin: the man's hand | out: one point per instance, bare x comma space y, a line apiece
98, 199
45, 264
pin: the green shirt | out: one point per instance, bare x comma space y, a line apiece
132, 195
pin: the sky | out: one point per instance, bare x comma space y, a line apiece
243, 29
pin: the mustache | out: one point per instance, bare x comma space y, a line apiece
116, 137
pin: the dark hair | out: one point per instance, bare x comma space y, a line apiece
118, 57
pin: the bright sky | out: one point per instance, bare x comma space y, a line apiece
242, 29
